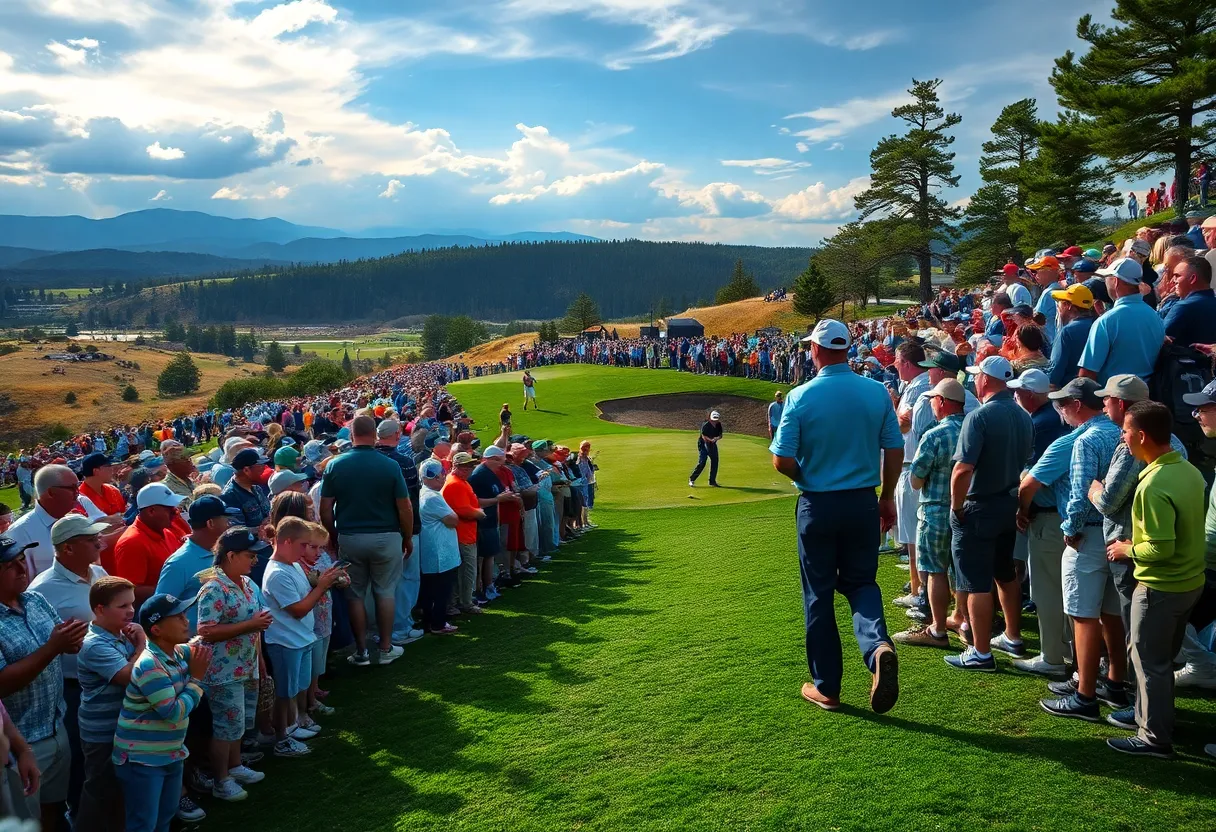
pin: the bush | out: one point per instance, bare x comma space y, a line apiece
74, 348
9, 349
56, 432
316, 376
130, 394
140, 341
241, 391
180, 376
70, 398
92, 348
275, 359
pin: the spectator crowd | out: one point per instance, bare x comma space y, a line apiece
167, 619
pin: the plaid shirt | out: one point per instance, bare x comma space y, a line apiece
1119, 487
935, 459
1091, 456
38, 707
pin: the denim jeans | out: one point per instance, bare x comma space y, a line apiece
407, 594
151, 794
706, 451
838, 540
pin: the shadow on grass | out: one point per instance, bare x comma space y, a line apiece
402, 720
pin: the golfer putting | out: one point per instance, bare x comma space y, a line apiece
707, 449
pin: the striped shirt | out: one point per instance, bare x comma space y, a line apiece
38, 707
156, 709
102, 656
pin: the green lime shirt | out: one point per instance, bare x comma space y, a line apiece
1168, 540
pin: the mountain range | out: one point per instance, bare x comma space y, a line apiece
158, 243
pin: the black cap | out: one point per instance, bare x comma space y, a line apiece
1097, 287
1022, 309
240, 539
10, 549
209, 507
247, 457
92, 462
161, 606
1083, 389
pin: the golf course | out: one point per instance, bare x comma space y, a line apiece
648, 679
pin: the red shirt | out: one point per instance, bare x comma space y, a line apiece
109, 501
141, 553
507, 512
459, 494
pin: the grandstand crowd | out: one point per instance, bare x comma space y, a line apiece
166, 618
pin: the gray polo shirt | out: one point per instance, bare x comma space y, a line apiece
998, 439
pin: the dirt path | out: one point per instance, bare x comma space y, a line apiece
686, 411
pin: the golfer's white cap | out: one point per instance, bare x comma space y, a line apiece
830, 334
715, 415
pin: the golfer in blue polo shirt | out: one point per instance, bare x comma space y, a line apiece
832, 433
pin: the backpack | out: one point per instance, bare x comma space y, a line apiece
1180, 371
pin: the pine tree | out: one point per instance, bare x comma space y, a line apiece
347, 367
246, 346
71, 330
851, 261
742, 286
908, 173
295, 350
275, 359
813, 293
1147, 86
180, 376
435, 337
581, 313
1066, 190
663, 308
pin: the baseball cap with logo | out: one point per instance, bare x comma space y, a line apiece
994, 366
830, 334
10, 549
161, 606
157, 494
74, 525
431, 469
1077, 294
240, 539
1205, 396
1084, 390
715, 416
1032, 381
1128, 387
1125, 269
949, 388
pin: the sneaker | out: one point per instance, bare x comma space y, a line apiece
908, 600
546, 558
591, 525
692, 484
300, 732
969, 659
391, 655
452, 612
921, 637
907, 587
1210, 749
409, 638
1006, 645
714, 485
903, 556
1113, 694
265, 739
473, 610
291, 748
531, 570
1040, 666
482, 598
884, 692
1066, 688
189, 811
323, 709
245, 775
200, 781
1189, 677
446, 630
920, 614
249, 758
359, 659
1028, 606
1073, 707
1140, 748
1124, 718
230, 790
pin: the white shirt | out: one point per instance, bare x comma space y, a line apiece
440, 550
283, 585
68, 593
35, 527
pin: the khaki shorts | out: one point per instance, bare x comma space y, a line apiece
376, 561
54, 758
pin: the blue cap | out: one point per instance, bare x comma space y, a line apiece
161, 606
247, 457
1085, 267
209, 507
10, 549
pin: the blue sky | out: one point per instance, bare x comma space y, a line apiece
725, 120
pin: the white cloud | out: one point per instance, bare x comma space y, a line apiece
818, 203
84, 43
161, 196
65, 55
802, 147
291, 17
391, 190
836, 146
228, 193
165, 154
842, 119
767, 166
278, 192
725, 199
571, 185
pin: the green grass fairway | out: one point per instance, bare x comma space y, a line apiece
648, 680
372, 346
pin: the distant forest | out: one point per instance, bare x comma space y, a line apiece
497, 283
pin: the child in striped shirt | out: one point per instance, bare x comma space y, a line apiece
166, 685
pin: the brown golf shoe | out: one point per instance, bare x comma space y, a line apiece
885, 691
811, 694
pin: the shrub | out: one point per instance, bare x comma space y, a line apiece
240, 391
70, 398
316, 376
275, 359
130, 394
9, 349
180, 376
92, 348
74, 348
56, 432
140, 341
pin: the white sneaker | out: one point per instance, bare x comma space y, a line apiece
1040, 666
291, 748
245, 775
1003, 644
531, 570
908, 600
229, 789
409, 638
692, 484
299, 732
1210, 749
391, 655
1189, 677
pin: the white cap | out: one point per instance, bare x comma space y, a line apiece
1126, 269
830, 334
157, 494
1032, 381
280, 481
146, 455
994, 366
715, 415
492, 451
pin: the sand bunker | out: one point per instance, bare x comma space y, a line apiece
686, 411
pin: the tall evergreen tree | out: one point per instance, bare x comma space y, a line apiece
347, 368
742, 286
908, 173
1146, 87
180, 376
813, 293
275, 359
435, 337
851, 261
581, 314
1067, 188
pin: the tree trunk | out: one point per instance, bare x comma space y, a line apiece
1182, 159
925, 261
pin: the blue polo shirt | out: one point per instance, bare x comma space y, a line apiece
1192, 319
836, 426
1124, 340
179, 575
1052, 469
1066, 351
1046, 306
1048, 427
